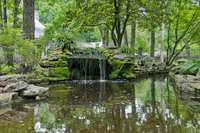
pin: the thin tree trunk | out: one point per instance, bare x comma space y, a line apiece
133, 34
152, 48
188, 53
125, 38
1, 16
5, 17
106, 37
15, 12
28, 19
102, 31
162, 43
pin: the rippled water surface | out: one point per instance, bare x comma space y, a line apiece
144, 106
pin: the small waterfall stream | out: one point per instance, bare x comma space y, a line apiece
102, 69
45, 51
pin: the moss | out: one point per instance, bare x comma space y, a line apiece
58, 63
122, 69
105, 52
59, 72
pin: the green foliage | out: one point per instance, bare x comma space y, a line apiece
105, 52
13, 44
189, 67
59, 72
142, 41
126, 50
6, 69
122, 69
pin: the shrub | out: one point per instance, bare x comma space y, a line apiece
190, 67
17, 50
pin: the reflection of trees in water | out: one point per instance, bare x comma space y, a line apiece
118, 108
122, 112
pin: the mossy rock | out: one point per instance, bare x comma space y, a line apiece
122, 69
105, 52
58, 63
59, 72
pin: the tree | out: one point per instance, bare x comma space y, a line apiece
1, 15
5, 17
153, 41
15, 12
28, 19
125, 38
183, 22
133, 34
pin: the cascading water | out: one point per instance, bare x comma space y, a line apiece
45, 51
102, 69
91, 66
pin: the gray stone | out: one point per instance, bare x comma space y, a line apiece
188, 84
21, 85
16, 87
6, 97
12, 78
33, 91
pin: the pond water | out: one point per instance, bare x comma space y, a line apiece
144, 106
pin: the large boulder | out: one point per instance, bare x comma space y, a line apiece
188, 85
8, 79
34, 91
16, 87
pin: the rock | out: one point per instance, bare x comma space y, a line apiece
5, 110
11, 78
1, 89
33, 91
16, 87
9, 87
37, 98
188, 86
6, 97
119, 56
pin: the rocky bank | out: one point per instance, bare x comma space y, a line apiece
15, 86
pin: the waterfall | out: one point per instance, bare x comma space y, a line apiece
102, 69
85, 71
45, 51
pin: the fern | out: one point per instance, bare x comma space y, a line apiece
189, 67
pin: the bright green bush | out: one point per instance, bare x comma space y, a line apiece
6, 69
12, 43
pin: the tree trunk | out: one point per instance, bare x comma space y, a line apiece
162, 31
152, 48
125, 38
15, 12
188, 53
133, 34
5, 17
1, 16
106, 37
29, 19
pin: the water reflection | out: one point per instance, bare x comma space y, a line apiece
148, 105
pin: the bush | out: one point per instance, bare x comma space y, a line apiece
190, 67
17, 50
6, 69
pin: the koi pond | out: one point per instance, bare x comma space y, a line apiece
147, 105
